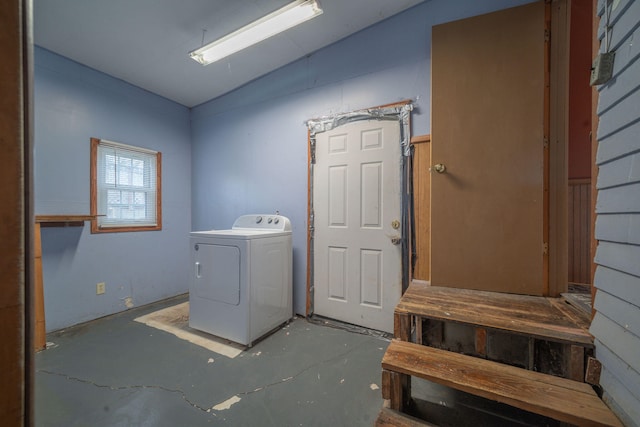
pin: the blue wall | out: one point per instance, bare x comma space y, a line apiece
243, 152
249, 147
72, 104
616, 325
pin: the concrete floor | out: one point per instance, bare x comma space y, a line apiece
118, 372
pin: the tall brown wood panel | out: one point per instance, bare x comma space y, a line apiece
15, 214
421, 201
579, 240
488, 98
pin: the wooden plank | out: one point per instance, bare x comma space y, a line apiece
594, 368
518, 314
575, 363
574, 314
40, 335
550, 70
556, 163
392, 382
422, 210
402, 326
558, 398
63, 224
64, 218
390, 418
481, 341
571, 240
16, 238
386, 384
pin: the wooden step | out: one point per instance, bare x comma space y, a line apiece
559, 398
539, 317
391, 418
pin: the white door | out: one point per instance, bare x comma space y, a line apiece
356, 202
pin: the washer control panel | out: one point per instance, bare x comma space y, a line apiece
263, 222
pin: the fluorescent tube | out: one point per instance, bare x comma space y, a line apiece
282, 19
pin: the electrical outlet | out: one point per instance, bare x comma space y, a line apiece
100, 288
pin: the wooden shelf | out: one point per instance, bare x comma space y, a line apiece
40, 338
63, 220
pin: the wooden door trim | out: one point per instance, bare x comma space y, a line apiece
310, 160
557, 226
546, 120
16, 234
420, 186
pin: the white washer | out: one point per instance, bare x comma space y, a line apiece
241, 279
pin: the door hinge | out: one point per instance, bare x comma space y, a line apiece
545, 248
547, 34
545, 142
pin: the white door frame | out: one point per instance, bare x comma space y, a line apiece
401, 112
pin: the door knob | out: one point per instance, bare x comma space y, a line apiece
440, 168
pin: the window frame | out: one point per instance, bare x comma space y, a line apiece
95, 225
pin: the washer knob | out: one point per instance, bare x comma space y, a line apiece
258, 220
277, 220
270, 220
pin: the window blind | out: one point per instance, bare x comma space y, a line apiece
126, 183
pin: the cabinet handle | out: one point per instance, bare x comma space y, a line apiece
198, 270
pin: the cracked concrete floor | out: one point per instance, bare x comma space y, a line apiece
118, 372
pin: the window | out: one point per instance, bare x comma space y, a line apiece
125, 188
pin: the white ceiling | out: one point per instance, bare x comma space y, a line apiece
146, 42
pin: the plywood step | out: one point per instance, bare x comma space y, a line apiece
390, 418
539, 317
559, 398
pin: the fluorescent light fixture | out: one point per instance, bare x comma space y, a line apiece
282, 19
